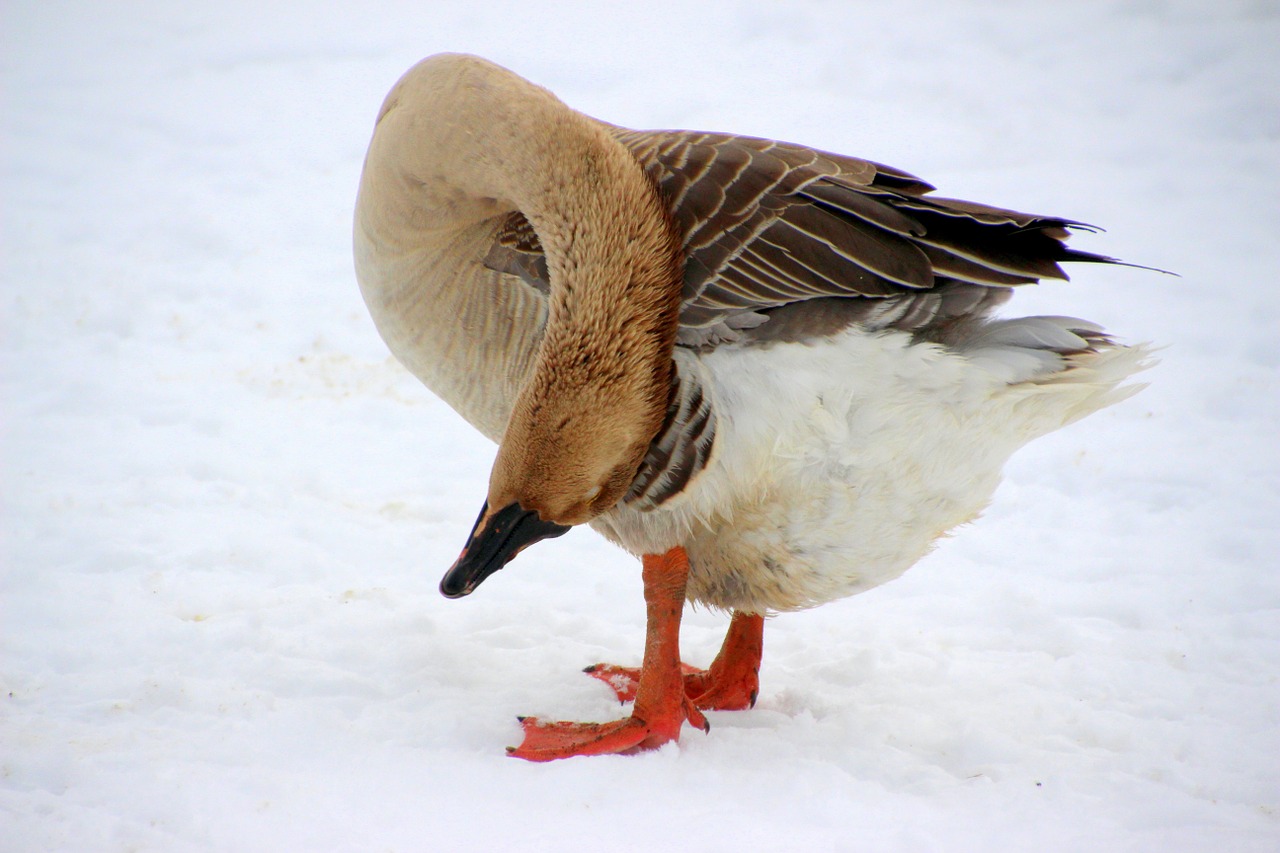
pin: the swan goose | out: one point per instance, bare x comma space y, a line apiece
771, 372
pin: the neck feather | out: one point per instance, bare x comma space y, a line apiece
463, 143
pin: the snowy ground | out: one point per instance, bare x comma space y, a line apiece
226, 511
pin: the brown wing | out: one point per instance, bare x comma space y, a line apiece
517, 251
767, 223
784, 242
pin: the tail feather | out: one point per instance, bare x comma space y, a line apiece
1056, 370
1099, 375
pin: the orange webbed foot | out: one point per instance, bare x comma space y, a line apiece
548, 741
730, 684
624, 681
661, 708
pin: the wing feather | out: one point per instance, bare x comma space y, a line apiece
783, 242
766, 224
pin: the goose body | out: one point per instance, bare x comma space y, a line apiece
827, 481
777, 364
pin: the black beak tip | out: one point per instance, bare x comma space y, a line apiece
451, 587
496, 538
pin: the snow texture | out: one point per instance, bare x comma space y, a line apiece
226, 510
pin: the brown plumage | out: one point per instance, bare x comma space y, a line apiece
765, 224
770, 371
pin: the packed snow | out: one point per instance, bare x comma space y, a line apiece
226, 509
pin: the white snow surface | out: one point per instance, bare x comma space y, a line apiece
226, 510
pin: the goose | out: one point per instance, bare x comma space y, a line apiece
773, 373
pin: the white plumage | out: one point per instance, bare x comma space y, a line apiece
838, 463
771, 372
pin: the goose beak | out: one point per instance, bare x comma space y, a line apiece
495, 541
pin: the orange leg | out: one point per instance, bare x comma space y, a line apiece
730, 684
661, 705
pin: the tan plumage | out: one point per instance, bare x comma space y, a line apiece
762, 226
777, 359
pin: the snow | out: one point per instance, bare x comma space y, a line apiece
226, 510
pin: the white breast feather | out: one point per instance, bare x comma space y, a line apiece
839, 463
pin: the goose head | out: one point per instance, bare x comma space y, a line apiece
577, 436
598, 389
